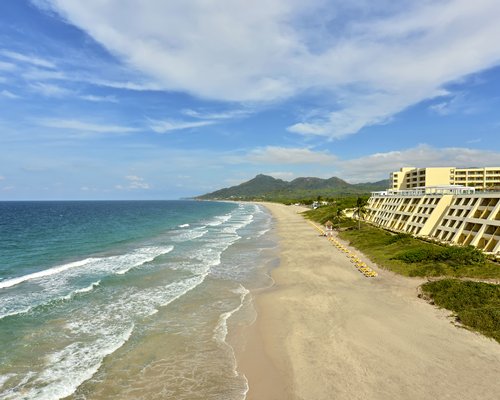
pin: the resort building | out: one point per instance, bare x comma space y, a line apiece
422, 204
479, 178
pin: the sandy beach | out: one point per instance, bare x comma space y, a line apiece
324, 331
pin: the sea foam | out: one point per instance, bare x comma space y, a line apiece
97, 322
41, 274
62, 282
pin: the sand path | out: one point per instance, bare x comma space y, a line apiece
327, 332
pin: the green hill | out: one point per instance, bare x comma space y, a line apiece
268, 188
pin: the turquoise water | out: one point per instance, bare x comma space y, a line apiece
127, 299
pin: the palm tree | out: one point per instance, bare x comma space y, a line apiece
360, 211
338, 215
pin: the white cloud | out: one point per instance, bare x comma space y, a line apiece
378, 165
37, 61
456, 103
371, 59
173, 125
99, 99
50, 90
134, 182
216, 115
76, 125
287, 155
6, 66
46, 89
38, 74
8, 94
186, 46
201, 118
441, 108
472, 141
368, 168
2, 178
127, 85
286, 176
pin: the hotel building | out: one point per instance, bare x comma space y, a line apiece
479, 178
432, 207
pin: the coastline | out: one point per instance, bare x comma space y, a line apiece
325, 331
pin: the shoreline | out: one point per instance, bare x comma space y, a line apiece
325, 331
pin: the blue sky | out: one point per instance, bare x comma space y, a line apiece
124, 99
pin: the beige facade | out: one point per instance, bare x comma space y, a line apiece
448, 214
480, 178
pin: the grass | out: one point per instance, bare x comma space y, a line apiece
409, 256
475, 304
329, 213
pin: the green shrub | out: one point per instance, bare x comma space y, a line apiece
462, 255
400, 253
434, 269
419, 254
400, 237
486, 319
461, 295
453, 256
476, 304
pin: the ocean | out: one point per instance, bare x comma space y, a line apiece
128, 299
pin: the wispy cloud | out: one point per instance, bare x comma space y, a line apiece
30, 59
76, 125
476, 140
216, 115
164, 126
58, 91
199, 119
38, 74
50, 90
134, 182
99, 99
371, 167
378, 165
286, 155
8, 94
127, 85
286, 176
373, 60
455, 103
6, 66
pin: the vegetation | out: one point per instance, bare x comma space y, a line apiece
360, 211
325, 213
334, 211
267, 188
476, 304
410, 256
405, 254
452, 255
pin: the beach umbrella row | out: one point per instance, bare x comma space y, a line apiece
319, 229
358, 263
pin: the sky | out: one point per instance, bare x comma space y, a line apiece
145, 99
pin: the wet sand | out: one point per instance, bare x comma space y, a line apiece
324, 331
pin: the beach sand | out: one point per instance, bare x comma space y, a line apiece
324, 331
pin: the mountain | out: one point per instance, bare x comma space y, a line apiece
267, 187
373, 186
257, 186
